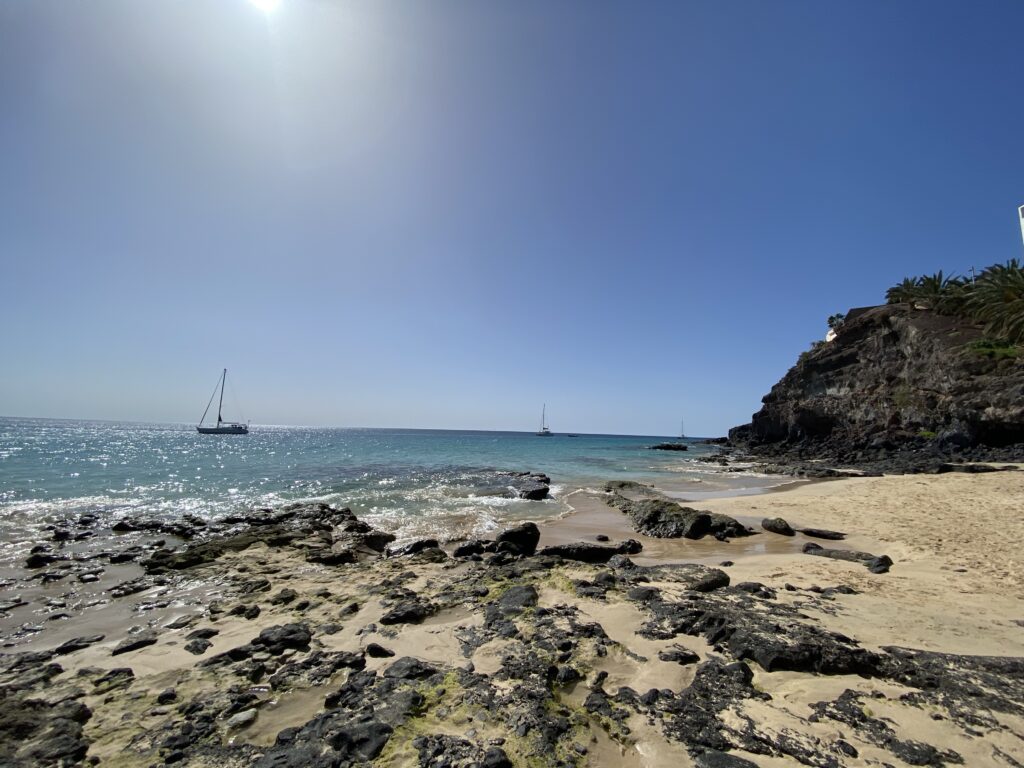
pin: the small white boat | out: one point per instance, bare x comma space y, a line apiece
544, 431
223, 427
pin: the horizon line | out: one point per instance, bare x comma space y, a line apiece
335, 426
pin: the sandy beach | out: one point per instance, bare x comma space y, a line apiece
547, 660
956, 539
958, 587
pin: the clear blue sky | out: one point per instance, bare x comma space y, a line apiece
444, 214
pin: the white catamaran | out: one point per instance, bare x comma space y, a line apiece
544, 431
223, 427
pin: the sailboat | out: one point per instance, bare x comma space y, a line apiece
544, 431
223, 427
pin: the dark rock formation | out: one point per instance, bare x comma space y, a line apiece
198, 646
408, 668
898, 389
377, 651
821, 533
679, 656
670, 447
278, 639
665, 519
76, 644
691, 576
692, 715
513, 601
874, 563
115, 679
715, 759
534, 486
141, 640
407, 612
754, 629
629, 486
329, 536
777, 525
452, 751
520, 540
37, 732
41, 559
591, 553
415, 547
283, 597
850, 710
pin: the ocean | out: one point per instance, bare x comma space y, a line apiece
411, 482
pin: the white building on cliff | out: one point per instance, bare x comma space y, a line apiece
1021, 212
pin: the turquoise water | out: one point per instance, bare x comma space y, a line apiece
413, 482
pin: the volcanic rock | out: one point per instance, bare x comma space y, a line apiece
899, 389
523, 538
141, 640
591, 553
407, 612
777, 525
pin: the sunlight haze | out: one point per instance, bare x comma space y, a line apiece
448, 214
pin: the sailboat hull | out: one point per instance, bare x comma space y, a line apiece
223, 427
227, 429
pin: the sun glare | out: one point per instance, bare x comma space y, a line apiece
266, 5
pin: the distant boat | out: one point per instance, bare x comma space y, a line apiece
544, 431
223, 427
682, 430
572, 435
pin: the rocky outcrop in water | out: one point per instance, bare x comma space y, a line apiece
534, 486
897, 388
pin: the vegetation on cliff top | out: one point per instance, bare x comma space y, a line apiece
994, 298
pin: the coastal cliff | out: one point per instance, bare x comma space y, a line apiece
895, 381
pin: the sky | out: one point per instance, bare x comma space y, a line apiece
446, 214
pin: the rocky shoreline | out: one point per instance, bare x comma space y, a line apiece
813, 464
912, 456
300, 636
898, 389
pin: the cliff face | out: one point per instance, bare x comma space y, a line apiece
894, 376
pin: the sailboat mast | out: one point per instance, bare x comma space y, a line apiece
543, 415
220, 405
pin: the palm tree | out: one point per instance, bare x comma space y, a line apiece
937, 291
942, 293
953, 296
903, 291
998, 300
